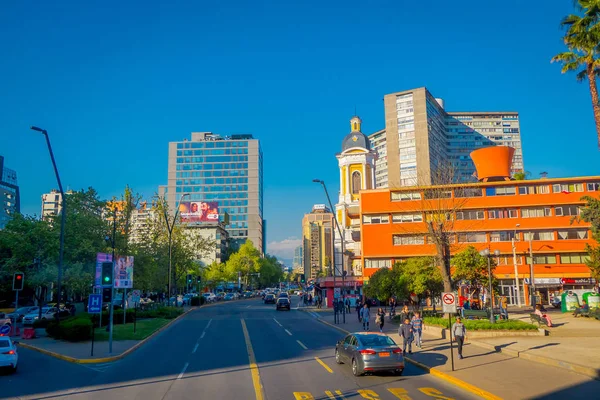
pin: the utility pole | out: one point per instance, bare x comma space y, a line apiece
112, 288
514, 249
531, 272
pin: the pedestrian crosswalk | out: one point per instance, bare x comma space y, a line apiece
390, 393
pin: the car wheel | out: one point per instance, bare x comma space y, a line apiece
355, 369
337, 357
398, 372
13, 370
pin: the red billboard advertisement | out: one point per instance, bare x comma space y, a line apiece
199, 211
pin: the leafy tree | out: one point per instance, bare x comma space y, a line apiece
591, 214
471, 266
421, 276
270, 271
387, 282
582, 40
521, 176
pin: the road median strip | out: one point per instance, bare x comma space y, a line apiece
436, 372
103, 359
252, 361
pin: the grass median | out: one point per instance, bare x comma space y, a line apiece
144, 328
483, 325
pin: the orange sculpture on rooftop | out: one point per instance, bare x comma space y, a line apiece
493, 163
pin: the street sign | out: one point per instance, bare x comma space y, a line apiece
336, 293
135, 296
95, 304
5, 330
449, 303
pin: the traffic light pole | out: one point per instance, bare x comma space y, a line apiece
112, 285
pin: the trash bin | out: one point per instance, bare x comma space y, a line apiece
570, 302
593, 300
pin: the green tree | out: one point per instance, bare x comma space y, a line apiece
270, 271
591, 214
582, 39
521, 176
471, 266
388, 282
421, 276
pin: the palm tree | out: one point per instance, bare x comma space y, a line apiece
583, 41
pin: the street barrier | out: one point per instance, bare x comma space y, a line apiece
28, 333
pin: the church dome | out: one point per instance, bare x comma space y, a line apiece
355, 138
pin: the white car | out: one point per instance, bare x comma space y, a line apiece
210, 297
9, 357
47, 313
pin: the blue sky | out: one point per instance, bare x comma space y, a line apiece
113, 83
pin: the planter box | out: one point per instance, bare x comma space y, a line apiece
444, 333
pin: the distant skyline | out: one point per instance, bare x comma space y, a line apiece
114, 83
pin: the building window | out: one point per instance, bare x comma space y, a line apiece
574, 258
472, 237
468, 192
567, 211
438, 194
539, 235
376, 219
541, 260
593, 186
501, 191
542, 189
573, 234
536, 212
405, 196
370, 263
408, 239
508, 260
502, 236
502, 213
356, 182
567, 188
469, 215
400, 218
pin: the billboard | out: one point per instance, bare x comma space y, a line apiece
124, 272
199, 211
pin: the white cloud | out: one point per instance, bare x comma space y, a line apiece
284, 248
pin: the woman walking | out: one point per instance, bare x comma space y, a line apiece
380, 319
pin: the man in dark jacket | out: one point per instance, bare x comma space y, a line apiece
405, 331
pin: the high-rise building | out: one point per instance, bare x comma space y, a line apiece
421, 139
142, 218
298, 259
222, 169
317, 235
52, 203
9, 194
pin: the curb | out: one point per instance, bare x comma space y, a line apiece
437, 373
104, 359
552, 362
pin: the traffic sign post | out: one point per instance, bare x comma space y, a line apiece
18, 283
449, 307
95, 304
5, 330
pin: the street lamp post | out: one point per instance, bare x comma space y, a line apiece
531, 274
339, 231
63, 216
486, 253
170, 226
112, 288
514, 249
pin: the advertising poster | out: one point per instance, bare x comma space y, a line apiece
199, 211
124, 272
100, 258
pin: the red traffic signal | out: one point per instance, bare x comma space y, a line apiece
18, 281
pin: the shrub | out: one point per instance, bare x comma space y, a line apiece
161, 312
118, 317
74, 329
483, 324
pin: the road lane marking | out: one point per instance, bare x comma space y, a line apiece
339, 393
330, 395
303, 396
324, 365
434, 393
288, 332
277, 322
248, 306
302, 344
253, 366
400, 393
195, 348
368, 394
207, 325
183, 371
202, 336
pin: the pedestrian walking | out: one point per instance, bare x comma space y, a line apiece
347, 305
504, 307
380, 319
358, 310
417, 325
405, 313
365, 314
405, 331
460, 334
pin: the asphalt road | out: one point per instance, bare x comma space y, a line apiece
239, 350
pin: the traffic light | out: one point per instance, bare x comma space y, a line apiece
198, 279
302, 278
107, 274
18, 281
106, 295
189, 278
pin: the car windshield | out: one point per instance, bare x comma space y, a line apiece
4, 343
270, 296
283, 295
375, 340
22, 310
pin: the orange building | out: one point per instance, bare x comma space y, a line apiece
500, 214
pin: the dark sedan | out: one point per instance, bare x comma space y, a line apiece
270, 298
283, 303
369, 352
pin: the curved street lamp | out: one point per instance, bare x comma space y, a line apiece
170, 226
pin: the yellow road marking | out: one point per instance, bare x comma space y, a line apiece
400, 393
303, 396
253, 366
330, 395
302, 344
368, 394
434, 393
324, 365
339, 393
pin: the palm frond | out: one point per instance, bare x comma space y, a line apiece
565, 57
570, 20
581, 75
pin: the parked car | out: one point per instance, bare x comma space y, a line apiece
47, 313
556, 302
370, 352
9, 356
18, 314
209, 297
228, 296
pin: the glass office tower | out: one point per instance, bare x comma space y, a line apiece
222, 169
9, 194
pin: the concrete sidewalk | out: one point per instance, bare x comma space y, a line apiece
80, 351
500, 374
